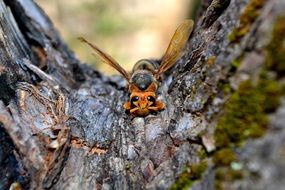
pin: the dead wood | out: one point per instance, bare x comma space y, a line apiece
62, 124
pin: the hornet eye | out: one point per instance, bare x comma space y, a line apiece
134, 99
151, 99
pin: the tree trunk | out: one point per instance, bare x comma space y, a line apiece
62, 124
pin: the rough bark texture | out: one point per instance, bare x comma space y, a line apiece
62, 124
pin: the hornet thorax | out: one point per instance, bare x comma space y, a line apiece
143, 74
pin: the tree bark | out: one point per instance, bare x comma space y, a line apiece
62, 124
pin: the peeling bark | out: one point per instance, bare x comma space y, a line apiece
62, 124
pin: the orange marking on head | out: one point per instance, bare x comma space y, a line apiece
143, 100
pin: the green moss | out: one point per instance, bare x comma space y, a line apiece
245, 113
189, 176
218, 185
197, 170
275, 59
235, 64
243, 118
202, 154
224, 157
271, 90
282, 89
183, 182
224, 87
248, 16
225, 174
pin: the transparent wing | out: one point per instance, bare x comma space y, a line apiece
107, 58
175, 47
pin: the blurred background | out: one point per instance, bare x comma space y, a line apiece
128, 30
